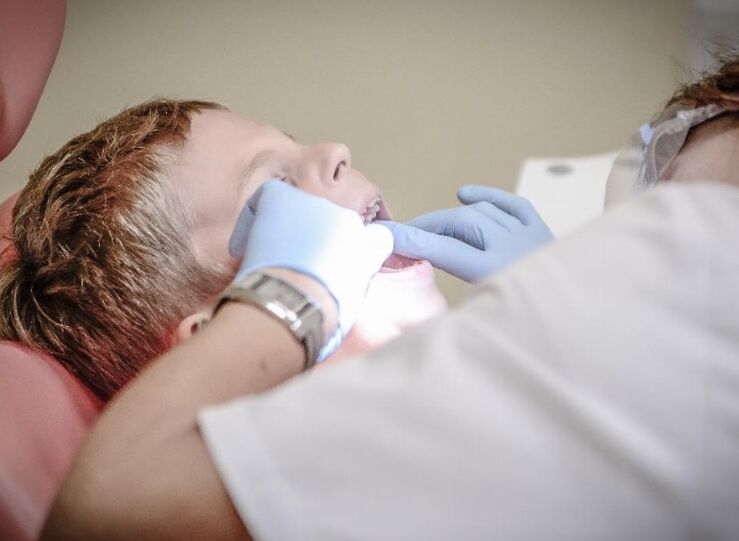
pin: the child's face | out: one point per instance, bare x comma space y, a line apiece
710, 153
227, 157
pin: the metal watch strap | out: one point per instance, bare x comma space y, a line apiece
301, 314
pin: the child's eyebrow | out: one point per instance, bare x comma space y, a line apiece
289, 136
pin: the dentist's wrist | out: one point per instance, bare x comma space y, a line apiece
315, 290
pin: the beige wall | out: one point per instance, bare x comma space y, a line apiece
427, 94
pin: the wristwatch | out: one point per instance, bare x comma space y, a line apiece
301, 314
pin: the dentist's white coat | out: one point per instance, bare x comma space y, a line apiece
590, 392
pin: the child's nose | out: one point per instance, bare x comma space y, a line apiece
333, 160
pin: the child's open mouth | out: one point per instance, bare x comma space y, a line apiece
376, 210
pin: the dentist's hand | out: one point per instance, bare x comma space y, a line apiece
283, 227
488, 233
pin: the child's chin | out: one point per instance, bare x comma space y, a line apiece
397, 262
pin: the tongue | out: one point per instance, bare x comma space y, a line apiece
397, 262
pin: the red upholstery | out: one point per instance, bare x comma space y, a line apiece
30, 34
44, 411
44, 415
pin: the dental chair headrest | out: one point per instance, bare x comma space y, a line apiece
30, 34
45, 413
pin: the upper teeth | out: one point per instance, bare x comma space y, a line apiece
370, 213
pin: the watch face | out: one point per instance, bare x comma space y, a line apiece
282, 293
296, 310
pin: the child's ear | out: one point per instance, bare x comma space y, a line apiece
190, 325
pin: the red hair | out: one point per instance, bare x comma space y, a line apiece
105, 269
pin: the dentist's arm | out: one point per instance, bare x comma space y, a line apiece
490, 231
144, 473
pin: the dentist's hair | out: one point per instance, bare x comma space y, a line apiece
104, 268
719, 87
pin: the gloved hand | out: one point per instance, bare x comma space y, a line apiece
488, 233
281, 226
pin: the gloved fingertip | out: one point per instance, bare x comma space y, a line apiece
391, 226
273, 185
251, 203
236, 247
381, 237
466, 192
240, 234
403, 234
467, 187
472, 193
237, 241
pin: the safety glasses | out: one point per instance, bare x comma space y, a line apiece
654, 145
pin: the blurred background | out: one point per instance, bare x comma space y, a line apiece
427, 94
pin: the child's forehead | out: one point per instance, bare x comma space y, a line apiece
222, 127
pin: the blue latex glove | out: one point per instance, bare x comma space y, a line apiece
488, 233
281, 226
